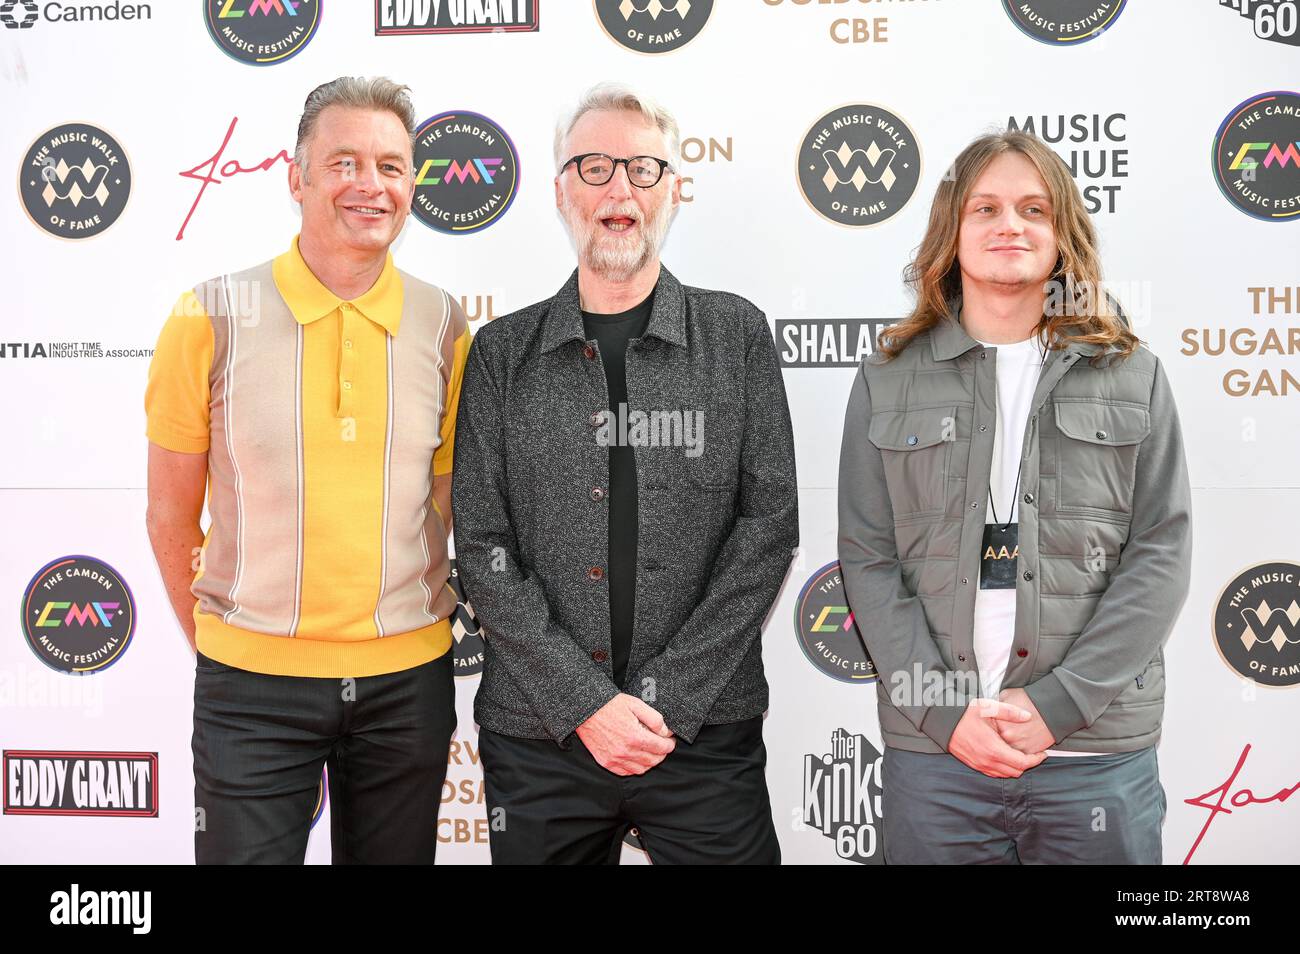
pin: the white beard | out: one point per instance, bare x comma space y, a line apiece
615, 257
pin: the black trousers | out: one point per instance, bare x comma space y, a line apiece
261, 741
706, 803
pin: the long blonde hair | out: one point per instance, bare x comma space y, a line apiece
1088, 314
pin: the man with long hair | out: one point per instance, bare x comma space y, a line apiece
1014, 530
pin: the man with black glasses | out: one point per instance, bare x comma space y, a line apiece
625, 513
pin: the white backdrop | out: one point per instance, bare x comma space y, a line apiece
746, 89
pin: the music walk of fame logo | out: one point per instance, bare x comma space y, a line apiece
827, 633
467, 634
1063, 22
75, 181
858, 165
653, 26
1257, 156
1257, 624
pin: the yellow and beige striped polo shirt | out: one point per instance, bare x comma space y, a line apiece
325, 423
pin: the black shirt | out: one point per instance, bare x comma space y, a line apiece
612, 334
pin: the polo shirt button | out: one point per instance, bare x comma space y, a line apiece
595, 574
597, 494
347, 385
347, 306
1101, 435
588, 352
347, 343
598, 419
1029, 574
599, 655
911, 439
1022, 653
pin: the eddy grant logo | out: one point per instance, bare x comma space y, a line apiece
262, 32
75, 181
467, 172
842, 797
398, 17
78, 614
827, 633
858, 165
1063, 21
1276, 20
466, 631
653, 26
123, 784
1257, 156
1257, 624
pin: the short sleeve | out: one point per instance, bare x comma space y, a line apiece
458, 330
176, 397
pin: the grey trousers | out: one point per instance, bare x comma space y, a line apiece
1086, 810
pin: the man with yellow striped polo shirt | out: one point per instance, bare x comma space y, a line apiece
313, 397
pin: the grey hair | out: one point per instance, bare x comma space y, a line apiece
378, 93
621, 96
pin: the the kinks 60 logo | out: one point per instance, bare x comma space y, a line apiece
400, 17
78, 615
1276, 20
842, 797
121, 784
75, 180
262, 32
467, 172
653, 26
1257, 156
858, 165
1064, 22
1257, 624
827, 633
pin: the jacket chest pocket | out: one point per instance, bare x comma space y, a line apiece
1097, 453
916, 447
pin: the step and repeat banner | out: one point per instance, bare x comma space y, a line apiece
146, 146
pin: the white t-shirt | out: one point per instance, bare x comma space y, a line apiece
1018, 367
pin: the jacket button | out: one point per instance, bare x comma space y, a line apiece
983, 428
1022, 653
595, 574
588, 352
1101, 435
911, 439
599, 655
964, 581
597, 494
1029, 498
961, 657
1029, 574
974, 504
598, 419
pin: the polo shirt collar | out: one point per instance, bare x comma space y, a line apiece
310, 300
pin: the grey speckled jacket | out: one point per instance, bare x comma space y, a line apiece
717, 529
1105, 535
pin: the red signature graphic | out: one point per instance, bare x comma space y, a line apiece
1240, 799
208, 172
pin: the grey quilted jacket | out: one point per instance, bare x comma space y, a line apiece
717, 527
1105, 537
